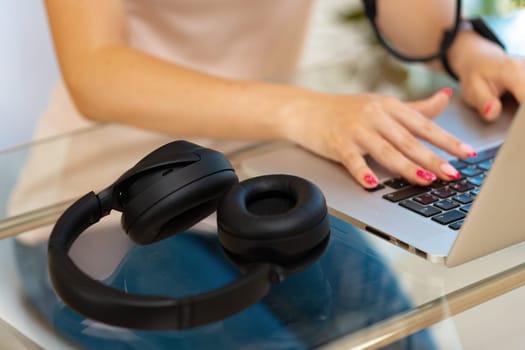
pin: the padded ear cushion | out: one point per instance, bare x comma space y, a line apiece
274, 218
181, 208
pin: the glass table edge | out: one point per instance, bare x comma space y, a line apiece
374, 336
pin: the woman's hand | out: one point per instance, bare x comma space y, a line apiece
485, 73
346, 127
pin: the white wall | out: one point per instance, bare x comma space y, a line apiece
27, 68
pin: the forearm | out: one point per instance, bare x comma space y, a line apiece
416, 29
413, 27
122, 85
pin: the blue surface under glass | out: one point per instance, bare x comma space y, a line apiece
350, 288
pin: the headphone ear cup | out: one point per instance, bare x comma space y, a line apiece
172, 197
179, 209
143, 182
276, 218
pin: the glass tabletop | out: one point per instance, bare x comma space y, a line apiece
364, 293
375, 293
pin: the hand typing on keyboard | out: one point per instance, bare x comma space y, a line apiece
346, 127
446, 203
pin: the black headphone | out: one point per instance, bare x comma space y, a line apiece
268, 226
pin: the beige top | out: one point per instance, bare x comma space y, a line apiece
243, 39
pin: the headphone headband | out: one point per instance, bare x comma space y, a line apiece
109, 305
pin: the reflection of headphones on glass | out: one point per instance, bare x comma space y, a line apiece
269, 226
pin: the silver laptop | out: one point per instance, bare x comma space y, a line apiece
448, 223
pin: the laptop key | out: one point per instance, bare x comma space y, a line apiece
470, 171
405, 193
438, 184
482, 156
477, 181
425, 210
456, 225
443, 192
458, 164
486, 165
449, 217
446, 204
475, 192
397, 183
461, 186
426, 198
465, 208
374, 189
463, 198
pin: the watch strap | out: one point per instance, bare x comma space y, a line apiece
479, 26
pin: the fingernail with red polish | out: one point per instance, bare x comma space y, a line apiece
448, 91
468, 150
450, 171
426, 175
487, 108
371, 180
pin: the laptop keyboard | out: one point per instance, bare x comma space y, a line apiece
447, 203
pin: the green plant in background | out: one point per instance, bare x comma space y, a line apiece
470, 7
356, 14
491, 7
352, 14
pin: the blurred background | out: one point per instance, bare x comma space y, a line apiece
27, 69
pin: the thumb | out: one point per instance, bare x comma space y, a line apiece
479, 94
434, 105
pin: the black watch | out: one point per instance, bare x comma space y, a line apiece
479, 26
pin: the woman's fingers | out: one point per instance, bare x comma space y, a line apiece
356, 165
513, 79
394, 160
434, 105
348, 127
420, 126
390, 137
483, 96
410, 146
483, 91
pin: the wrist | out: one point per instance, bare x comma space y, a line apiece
473, 39
458, 53
296, 114
261, 111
